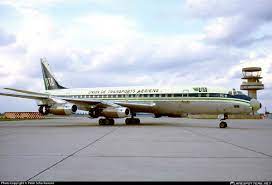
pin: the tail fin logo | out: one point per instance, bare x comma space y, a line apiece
49, 82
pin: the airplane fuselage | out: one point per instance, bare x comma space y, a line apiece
170, 101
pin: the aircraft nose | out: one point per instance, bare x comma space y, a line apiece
255, 104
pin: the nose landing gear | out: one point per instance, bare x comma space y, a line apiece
222, 123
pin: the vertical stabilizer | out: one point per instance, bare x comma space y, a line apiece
50, 82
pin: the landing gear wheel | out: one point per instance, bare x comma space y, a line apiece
93, 113
127, 121
111, 121
103, 121
132, 121
223, 124
137, 120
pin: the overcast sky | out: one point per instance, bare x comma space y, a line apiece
94, 43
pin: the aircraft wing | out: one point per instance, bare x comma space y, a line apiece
84, 101
134, 106
87, 103
25, 91
41, 96
138, 107
33, 97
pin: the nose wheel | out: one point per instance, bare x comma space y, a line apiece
223, 124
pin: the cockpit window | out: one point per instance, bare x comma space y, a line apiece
234, 92
240, 93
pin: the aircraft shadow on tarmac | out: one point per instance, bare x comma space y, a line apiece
180, 124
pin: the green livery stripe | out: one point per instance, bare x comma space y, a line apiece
179, 99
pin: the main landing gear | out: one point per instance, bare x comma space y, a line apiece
132, 120
110, 121
222, 123
106, 121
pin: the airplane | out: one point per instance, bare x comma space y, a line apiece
127, 102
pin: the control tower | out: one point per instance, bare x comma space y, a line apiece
252, 83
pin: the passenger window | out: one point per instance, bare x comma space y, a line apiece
157, 95
214, 95
163, 95
203, 95
145, 95
177, 95
193, 95
119, 95
151, 95
236, 106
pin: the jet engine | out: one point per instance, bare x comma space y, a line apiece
58, 109
44, 109
113, 112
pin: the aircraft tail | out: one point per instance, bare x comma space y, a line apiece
50, 82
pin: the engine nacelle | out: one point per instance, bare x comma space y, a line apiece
115, 112
44, 109
58, 109
63, 109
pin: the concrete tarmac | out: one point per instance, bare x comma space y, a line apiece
162, 149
